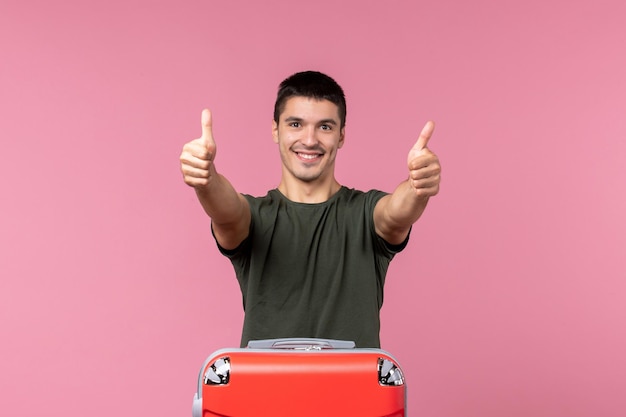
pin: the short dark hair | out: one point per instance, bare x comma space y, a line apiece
312, 84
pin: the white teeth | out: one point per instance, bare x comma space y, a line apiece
307, 156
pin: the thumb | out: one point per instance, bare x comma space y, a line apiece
426, 133
207, 128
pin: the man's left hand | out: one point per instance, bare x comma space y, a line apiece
423, 164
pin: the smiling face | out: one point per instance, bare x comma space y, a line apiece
308, 134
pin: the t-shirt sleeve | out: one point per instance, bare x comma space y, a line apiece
232, 253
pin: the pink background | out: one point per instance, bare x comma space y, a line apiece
510, 299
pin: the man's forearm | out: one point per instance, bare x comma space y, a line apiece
221, 201
399, 211
405, 206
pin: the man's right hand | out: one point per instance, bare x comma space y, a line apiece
196, 160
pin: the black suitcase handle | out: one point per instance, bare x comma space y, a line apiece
301, 344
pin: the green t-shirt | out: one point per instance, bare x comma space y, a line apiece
313, 270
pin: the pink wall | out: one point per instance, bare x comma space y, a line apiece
509, 300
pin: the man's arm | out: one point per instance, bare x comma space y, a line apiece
229, 211
394, 214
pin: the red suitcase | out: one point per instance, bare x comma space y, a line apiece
300, 378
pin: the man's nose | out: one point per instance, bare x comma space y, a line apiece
309, 137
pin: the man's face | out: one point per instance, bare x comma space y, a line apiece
308, 134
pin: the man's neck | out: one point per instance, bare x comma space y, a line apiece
309, 193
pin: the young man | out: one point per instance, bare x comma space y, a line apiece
311, 256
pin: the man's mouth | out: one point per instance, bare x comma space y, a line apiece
308, 156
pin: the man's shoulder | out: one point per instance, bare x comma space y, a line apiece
345, 196
352, 194
270, 196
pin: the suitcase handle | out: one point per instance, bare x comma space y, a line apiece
301, 344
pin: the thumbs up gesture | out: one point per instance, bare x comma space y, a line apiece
423, 164
196, 160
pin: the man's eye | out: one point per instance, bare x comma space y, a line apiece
294, 124
326, 127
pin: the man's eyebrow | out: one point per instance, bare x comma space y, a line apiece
321, 122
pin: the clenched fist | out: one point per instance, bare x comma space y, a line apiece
196, 160
423, 164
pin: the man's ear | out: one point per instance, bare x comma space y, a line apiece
275, 131
341, 137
